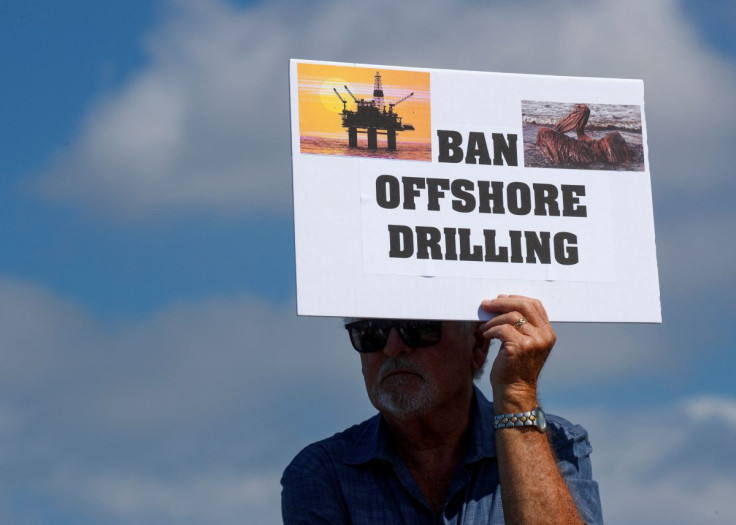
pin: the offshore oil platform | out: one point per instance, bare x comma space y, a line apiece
372, 117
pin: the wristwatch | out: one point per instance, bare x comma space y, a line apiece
533, 418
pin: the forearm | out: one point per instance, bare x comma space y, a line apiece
532, 488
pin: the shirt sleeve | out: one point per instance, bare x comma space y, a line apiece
572, 450
310, 492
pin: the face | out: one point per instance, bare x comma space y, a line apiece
407, 382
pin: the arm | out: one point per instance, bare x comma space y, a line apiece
533, 490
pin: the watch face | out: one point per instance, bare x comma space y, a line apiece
541, 420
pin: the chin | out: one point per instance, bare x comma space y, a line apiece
404, 403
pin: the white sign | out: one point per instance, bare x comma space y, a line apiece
418, 193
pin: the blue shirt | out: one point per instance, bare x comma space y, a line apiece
355, 477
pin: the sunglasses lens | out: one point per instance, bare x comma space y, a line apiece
368, 336
421, 333
372, 335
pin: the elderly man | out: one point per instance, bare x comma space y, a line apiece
439, 452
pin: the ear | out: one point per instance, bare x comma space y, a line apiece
480, 348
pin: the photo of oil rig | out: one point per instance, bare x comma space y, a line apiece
372, 117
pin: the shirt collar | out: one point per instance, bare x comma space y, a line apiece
373, 444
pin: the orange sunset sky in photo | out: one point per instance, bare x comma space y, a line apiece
320, 108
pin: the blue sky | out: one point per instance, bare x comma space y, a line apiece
152, 367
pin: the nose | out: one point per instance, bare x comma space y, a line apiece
395, 345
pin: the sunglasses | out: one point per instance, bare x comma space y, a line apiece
371, 335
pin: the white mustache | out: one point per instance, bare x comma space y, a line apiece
394, 363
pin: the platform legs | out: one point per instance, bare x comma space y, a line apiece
391, 138
372, 138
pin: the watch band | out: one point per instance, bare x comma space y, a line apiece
532, 418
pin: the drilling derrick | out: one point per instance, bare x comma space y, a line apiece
378, 91
372, 118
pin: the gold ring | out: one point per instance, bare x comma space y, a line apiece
521, 322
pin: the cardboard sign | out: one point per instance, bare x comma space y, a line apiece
420, 192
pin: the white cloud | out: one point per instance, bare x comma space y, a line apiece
711, 410
664, 464
189, 415
222, 497
188, 361
204, 125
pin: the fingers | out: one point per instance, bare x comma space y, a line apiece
511, 308
521, 320
505, 333
513, 317
509, 330
522, 326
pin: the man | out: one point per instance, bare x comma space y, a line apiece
432, 455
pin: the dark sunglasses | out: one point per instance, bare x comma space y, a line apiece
371, 335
